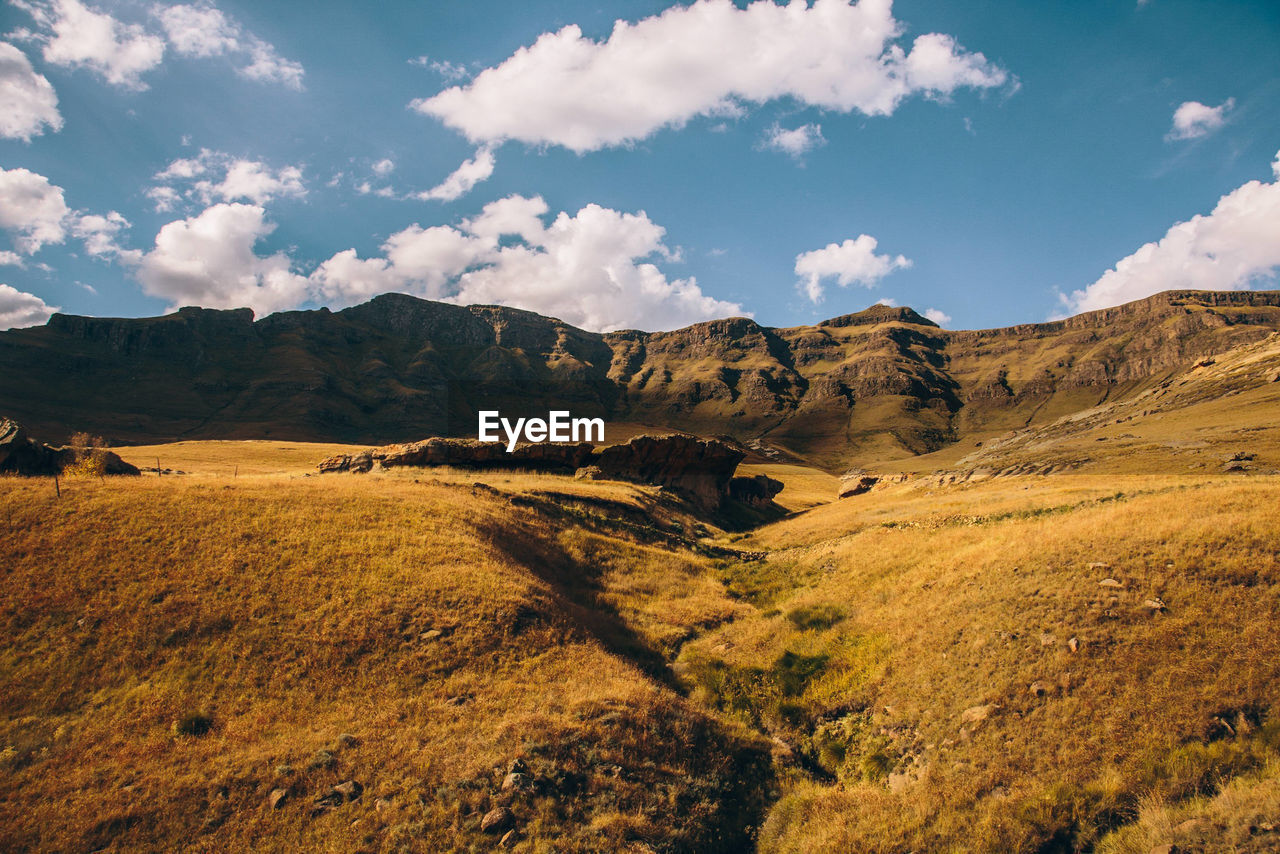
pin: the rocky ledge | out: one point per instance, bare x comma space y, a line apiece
20, 454
701, 469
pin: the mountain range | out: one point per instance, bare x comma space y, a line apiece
877, 385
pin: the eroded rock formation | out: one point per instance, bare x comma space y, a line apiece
20, 454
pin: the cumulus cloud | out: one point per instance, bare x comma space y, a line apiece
202, 30
32, 210
939, 317
18, 309
75, 36
28, 104
1235, 247
1193, 119
215, 176
11, 259
99, 235
210, 260
706, 58
463, 179
593, 269
851, 262
384, 167
796, 141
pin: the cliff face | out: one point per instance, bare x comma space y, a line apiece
879, 382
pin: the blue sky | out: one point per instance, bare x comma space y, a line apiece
995, 162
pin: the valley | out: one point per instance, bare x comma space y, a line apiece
1053, 632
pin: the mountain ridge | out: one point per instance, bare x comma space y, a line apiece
872, 384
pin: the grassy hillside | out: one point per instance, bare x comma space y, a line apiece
178, 649
1016, 664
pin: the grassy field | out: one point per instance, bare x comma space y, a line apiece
1021, 664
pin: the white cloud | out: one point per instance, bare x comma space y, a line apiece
1193, 119
240, 179
796, 141
463, 179
707, 58
18, 309
11, 259
851, 262
203, 31
99, 236
32, 210
446, 69
590, 269
209, 260
75, 36
28, 104
1236, 247
384, 167
939, 317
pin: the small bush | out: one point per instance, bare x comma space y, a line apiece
194, 724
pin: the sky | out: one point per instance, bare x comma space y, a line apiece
636, 164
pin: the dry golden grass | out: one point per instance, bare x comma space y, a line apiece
805, 487
915, 611
291, 611
638, 662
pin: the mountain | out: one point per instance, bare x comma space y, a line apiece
880, 384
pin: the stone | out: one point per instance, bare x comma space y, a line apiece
497, 820
1073, 644
976, 714
346, 740
277, 798
699, 468
1098, 565
1156, 605
383, 804
515, 781
349, 791
509, 839
1111, 582
430, 634
1040, 688
1047, 639
588, 473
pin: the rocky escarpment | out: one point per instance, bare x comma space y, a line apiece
700, 469
20, 454
878, 384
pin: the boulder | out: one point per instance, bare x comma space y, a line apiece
497, 820
755, 491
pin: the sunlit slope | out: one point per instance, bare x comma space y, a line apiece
448, 630
1011, 666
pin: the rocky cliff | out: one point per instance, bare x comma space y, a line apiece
869, 385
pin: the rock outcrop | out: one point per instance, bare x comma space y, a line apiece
464, 453
757, 491
701, 469
20, 454
860, 482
